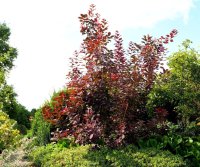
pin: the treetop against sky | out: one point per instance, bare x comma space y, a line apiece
46, 33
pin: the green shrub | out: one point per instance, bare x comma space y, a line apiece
185, 146
9, 135
179, 88
84, 156
22, 129
67, 143
131, 156
40, 129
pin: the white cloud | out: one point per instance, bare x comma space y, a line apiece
144, 13
46, 32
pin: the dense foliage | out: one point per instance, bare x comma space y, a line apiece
107, 91
82, 156
40, 129
7, 53
119, 108
178, 141
9, 135
178, 90
7, 56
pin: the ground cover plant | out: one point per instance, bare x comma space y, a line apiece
82, 156
18, 157
178, 141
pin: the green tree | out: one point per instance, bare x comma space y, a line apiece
179, 88
7, 53
22, 117
8, 102
8, 99
7, 56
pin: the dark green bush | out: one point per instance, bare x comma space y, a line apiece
85, 156
22, 129
22, 116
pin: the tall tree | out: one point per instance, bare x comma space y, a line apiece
8, 102
7, 56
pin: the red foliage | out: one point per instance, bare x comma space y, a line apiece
108, 88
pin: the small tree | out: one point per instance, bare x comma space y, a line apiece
108, 88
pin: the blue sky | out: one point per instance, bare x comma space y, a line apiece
46, 33
187, 29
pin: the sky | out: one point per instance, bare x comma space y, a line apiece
46, 33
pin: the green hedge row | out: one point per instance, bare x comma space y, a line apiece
83, 156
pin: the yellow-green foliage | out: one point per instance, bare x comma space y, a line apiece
53, 155
8, 134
